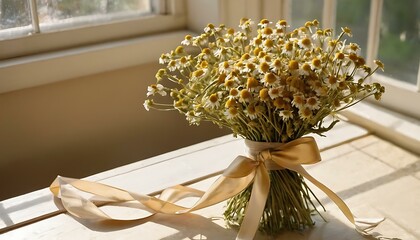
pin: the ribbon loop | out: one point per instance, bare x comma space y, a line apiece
243, 171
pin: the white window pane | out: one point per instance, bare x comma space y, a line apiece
400, 39
61, 14
304, 10
358, 23
15, 18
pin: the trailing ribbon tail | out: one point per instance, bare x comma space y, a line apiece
242, 172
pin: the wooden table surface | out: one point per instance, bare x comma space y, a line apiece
374, 177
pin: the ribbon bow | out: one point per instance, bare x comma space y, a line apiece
240, 173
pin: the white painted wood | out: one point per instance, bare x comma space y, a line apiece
358, 171
373, 31
20, 73
272, 10
394, 127
156, 173
329, 14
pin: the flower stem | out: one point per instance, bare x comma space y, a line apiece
288, 207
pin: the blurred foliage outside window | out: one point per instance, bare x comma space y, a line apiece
16, 13
399, 44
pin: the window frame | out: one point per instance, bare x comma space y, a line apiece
399, 96
168, 15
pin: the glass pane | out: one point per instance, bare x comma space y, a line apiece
400, 39
14, 13
15, 18
83, 12
358, 23
304, 10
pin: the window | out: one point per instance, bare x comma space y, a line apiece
385, 29
36, 26
399, 40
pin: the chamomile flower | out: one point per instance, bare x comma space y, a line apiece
251, 112
147, 104
172, 65
264, 23
282, 24
213, 101
270, 79
164, 58
220, 52
231, 112
286, 115
305, 113
312, 103
274, 92
226, 67
155, 89
245, 23
298, 100
187, 41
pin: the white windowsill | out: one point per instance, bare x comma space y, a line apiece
391, 126
35, 70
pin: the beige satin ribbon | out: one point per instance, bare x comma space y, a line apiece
240, 173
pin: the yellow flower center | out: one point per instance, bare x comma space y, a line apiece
226, 65
172, 63
306, 112
234, 92
270, 78
339, 55
264, 21
204, 64
198, 73
306, 42
206, 51
293, 65
233, 111
316, 62
264, 94
252, 82
246, 56
311, 101
179, 50
278, 102
221, 78
213, 98
229, 83
245, 94
282, 23
277, 63
230, 103
269, 43
268, 31
289, 46
298, 100
306, 67
332, 80
251, 66
251, 109
264, 67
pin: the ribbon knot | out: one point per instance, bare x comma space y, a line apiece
242, 172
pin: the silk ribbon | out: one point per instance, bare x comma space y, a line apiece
242, 172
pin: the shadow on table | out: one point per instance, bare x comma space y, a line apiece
193, 226
188, 226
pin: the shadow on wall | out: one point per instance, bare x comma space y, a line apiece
83, 126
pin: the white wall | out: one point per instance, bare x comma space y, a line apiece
83, 126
